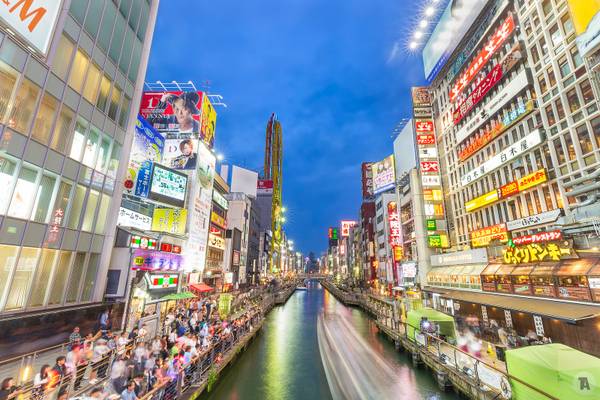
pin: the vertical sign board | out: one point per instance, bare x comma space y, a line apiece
199, 210
429, 167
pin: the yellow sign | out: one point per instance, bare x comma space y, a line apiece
398, 253
481, 201
218, 220
532, 179
433, 195
209, 121
586, 18
169, 220
483, 237
536, 252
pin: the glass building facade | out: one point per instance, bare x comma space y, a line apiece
65, 120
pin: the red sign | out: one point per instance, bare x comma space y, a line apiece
497, 39
176, 249
426, 139
395, 227
538, 237
430, 166
346, 225
264, 184
509, 189
424, 126
367, 180
480, 91
167, 247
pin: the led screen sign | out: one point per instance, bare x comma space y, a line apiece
384, 175
168, 186
487, 52
515, 150
482, 237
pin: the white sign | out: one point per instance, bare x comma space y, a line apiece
134, 219
539, 325
216, 241
220, 200
513, 151
507, 93
537, 219
33, 20
475, 256
428, 152
431, 180
409, 270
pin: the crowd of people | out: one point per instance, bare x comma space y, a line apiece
133, 363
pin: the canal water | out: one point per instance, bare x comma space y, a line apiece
314, 347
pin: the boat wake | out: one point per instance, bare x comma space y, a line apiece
354, 369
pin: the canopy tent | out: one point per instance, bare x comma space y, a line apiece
558, 370
414, 317
179, 296
201, 288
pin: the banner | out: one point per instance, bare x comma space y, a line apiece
209, 123
169, 220
175, 114
181, 153
147, 143
586, 18
199, 209
384, 175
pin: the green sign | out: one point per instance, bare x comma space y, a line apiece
431, 225
225, 304
434, 241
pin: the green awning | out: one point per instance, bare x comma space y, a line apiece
179, 296
445, 321
558, 370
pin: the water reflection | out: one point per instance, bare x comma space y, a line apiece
285, 362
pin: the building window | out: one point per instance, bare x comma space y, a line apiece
547, 7
7, 176
90, 91
104, 93
577, 61
75, 278
61, 276
24, 194
114, 160
570, 147
76, 207
90, 277
573, 100
584, 139
102, 212
114, 103
586, 91
560, 154
24, 105
555, 35
103, 155
8, 256
62, 129
79, 68
550, 115
560, 110
42, 277
44, 118
90, 151
124, 111
563, 65
78, 139
43, 198
8, 79
90, 211
62, 57
543, 84
19, 286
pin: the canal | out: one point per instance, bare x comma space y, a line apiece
314, 347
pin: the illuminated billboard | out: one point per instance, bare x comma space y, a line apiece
455, 21
32, 21
180, 115
367, 180
148, 143
168, 186
346, 225
586, 18
169, 220
395, 238
384, 174
483, 237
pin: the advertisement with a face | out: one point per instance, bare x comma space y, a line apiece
32, 21
168, 186
384, 174
181, 153
586, 18
175, 114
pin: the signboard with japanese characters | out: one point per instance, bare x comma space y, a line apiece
533, 220
395, 228
551, 236
346, 226
515, 150
482, 237
134, 219
538, 252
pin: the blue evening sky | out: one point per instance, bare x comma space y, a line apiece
336, 72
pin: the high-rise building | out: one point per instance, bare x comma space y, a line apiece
517, 127
69, 78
